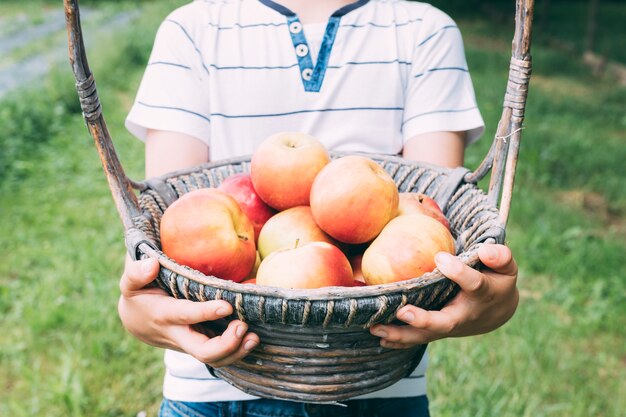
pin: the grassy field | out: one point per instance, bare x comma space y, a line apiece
64, 353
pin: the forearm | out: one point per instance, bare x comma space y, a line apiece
440, 148
171, 151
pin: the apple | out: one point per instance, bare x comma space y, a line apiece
353, 198
405, 249
284, 166
252, 274
249, 281
419, 203
311, 265
286, 227
206, 230
239, 186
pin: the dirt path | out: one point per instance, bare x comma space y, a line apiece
22, 35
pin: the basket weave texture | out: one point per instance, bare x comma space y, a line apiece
315, 344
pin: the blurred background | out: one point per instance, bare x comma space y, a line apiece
63, 351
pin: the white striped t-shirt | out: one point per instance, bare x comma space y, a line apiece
233, 72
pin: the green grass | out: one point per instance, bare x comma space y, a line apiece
62, 346
562, 353
64, 353
560, 23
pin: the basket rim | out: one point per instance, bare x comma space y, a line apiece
469, 258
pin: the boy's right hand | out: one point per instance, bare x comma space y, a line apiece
158, 319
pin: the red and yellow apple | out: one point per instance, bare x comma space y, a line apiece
405, 249
419, 203
207, 231
286, 227
353, 198
284, 166
239, 186
311, 265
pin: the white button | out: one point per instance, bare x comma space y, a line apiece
302, 50
295, 27
306, 73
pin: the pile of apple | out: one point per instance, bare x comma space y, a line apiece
300, 220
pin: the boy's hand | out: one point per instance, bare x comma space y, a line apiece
155, 318
486, 301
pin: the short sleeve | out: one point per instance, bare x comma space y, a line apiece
173, 94
440, 95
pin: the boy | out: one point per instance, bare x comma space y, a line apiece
376, 76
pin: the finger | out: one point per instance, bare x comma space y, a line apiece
469, 279
498, 258
399, 337
176, 312
434, 321
249, 342
138, 274
215, 349
395, 345
424, 326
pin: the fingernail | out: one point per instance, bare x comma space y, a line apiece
147, 265
443, 259
221, 311
490, 251
249, 345
380, 333
406, 316
241, 330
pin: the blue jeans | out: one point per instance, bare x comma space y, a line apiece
376, 407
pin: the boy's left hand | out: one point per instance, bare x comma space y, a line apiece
486, 301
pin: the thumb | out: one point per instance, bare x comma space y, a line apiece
498, 258
138, 274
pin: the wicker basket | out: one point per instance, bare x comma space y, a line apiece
315, 344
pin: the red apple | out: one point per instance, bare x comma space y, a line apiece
405, 249
207, 231
353, 198
239, 186
284, 166
289, 226
419, 203
312, 265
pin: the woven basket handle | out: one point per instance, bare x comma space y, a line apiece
503, 155
501, 159
123, 195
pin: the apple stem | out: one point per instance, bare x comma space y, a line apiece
242, 237
297, 242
